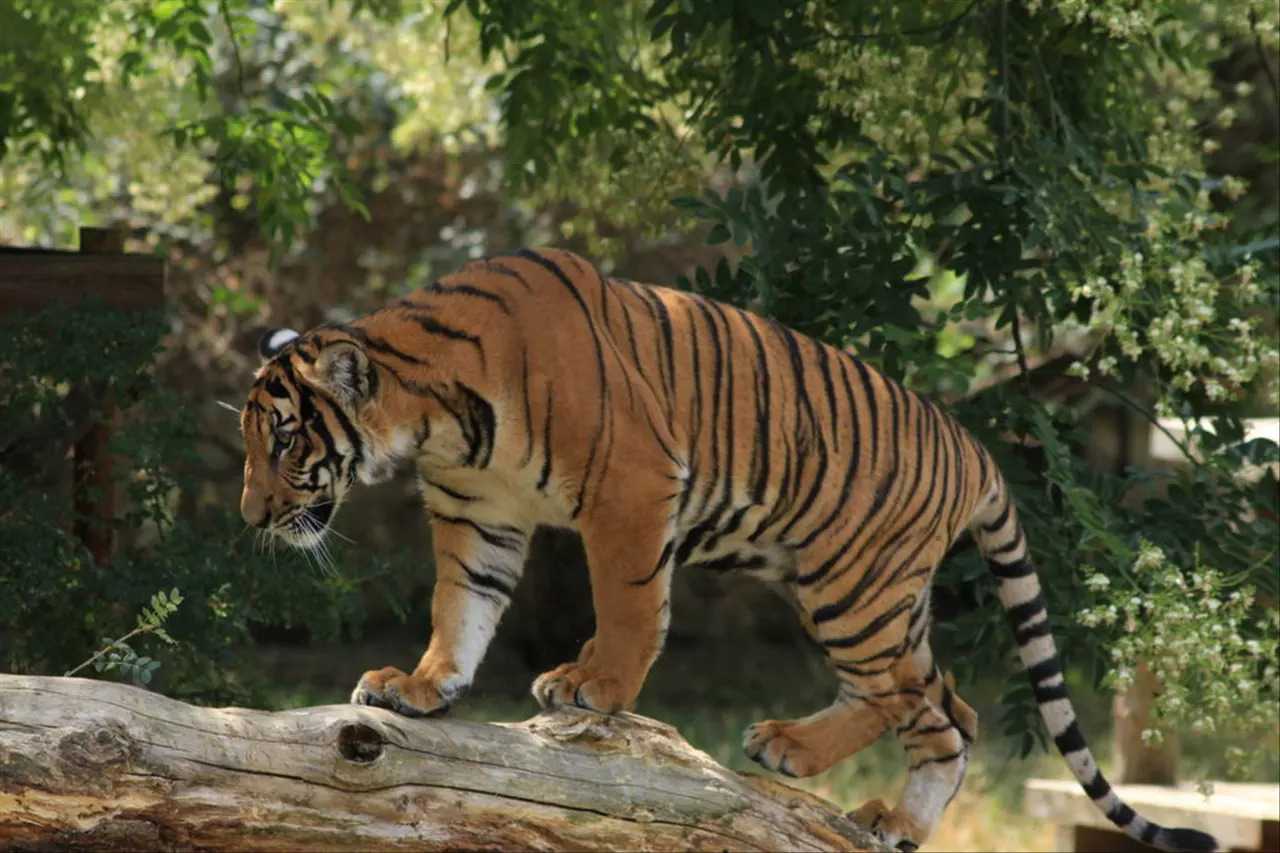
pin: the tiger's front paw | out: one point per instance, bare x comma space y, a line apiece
410, 695
577, 684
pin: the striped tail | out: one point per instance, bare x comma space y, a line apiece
1000, 538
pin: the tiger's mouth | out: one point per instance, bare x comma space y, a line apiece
321, 512
307, 526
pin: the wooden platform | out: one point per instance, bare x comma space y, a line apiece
1241, 816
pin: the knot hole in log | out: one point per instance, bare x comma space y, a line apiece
360, 743
99, 745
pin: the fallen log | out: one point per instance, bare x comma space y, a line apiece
99, 765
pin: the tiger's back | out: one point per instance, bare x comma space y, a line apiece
670, 431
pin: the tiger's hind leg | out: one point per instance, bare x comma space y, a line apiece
937, 740
867, 651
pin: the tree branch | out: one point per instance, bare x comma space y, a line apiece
1262, 55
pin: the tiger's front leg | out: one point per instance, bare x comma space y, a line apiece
477, 568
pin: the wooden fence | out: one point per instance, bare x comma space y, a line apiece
33, 278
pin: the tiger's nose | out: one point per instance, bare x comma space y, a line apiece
255, 511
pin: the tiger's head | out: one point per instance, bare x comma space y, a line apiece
310, 431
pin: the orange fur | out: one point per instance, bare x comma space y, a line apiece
668, 430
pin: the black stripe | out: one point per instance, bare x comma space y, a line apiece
888, 694
840, 506
457, 496
1001, 519
730, 527
727, 476
764, 423
665, 366
695, 409
1121, 815
937, 759
480, 428
828, 387
1012, 571
872, 628
483, 579
877, 503
494, 265
1071, 740
1049, 693
910, 724
819, 475
860, 672
891, 391
1097, 787
603, 390
1046, 669
662, 562
717, 379
915, 522
668, 341
545, 476
309, 414
469, 290
383, 347
432, 326
473, 589
528, 409
731, 562
869, 400
1023, 636
1020, 613
1007, 548
635, 347
694, 537
276, 388
505, 537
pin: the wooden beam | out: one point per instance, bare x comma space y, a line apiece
1239, 816
94, 469
103, 766
31, 279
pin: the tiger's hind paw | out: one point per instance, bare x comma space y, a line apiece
778, 746
893, 827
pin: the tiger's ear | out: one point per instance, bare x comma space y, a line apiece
342, 367
273, 341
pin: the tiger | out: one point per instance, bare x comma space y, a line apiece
668, 430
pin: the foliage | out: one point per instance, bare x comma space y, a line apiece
206, 142
45, 64
54, 601
86, 54
1048, 154
119, 655
1207, 670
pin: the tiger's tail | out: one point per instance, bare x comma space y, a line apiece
999, 536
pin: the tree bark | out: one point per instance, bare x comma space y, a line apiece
1136, 762
105, 766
